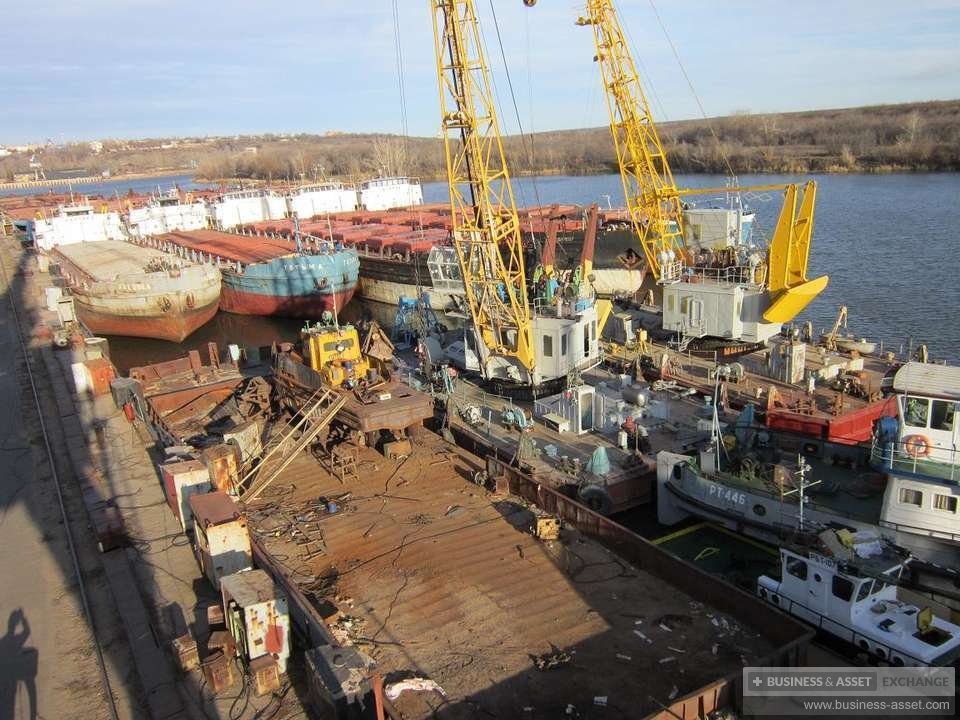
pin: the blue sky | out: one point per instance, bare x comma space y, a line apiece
140, 68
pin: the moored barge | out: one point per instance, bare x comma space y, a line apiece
122, 289
271, 276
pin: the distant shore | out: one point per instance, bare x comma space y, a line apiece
910, 137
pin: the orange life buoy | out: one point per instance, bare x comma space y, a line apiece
916, 445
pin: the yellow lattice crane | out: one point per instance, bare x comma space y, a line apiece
655, 208
652, 197
486, 229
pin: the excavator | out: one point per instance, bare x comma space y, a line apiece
745, 300
522, 346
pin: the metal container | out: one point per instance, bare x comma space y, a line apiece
181, 480
246, 438
221, 462
222, 541
102, 372
218, 670
257, 616
185, 652
266, 675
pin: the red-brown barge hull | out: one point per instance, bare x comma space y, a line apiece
305, 306
172, 327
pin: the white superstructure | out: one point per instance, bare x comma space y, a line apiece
246, 206
165, 214
329, 197
75, 224
860, 605
385, 193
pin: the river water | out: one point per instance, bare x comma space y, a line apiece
888, 243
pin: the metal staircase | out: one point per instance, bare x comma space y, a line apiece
285, 445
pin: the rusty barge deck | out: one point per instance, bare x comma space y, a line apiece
434, 576
230, 246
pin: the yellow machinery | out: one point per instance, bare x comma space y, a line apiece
654, 204
648, 186
335, 353
486, 230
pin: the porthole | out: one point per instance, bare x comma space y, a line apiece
759, 509
763, 593
864, 645
816, 576
776, 599
898, 661
881, 653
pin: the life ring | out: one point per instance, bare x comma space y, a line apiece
165, 304
917, 445
190, 300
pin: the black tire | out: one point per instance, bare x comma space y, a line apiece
597, 499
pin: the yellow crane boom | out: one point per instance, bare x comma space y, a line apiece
648, 186
486, 230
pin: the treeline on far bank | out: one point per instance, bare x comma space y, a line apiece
885, 138
889, 138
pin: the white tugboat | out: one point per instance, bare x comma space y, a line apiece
848, 589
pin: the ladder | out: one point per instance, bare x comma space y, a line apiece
7, 228
284, 446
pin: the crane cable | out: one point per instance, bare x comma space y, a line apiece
398, 53
703, 112
524, 138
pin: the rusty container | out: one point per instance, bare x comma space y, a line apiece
218, 670
221, 462
185, 652
101, 372
181, 480
265, 675
256, 612
221, 641
215, 617
222, 541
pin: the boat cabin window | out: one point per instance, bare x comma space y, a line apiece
909, 496
864, 592
941, 418
842, 588
916, 412
548, 346
797, 568
563, 344
947, 503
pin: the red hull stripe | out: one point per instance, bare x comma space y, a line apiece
306, 306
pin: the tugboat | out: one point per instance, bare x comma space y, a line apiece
847, 587
910, 494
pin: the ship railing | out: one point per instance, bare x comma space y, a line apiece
916, 458
729, 276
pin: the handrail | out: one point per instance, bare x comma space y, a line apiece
916, 459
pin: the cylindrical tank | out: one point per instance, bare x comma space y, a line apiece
635, 394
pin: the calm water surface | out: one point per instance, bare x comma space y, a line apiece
888, 242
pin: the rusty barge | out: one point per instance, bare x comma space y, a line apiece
270, 276
433, 564
122, 289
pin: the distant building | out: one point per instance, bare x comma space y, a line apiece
96, 146
251, 150
4, 152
